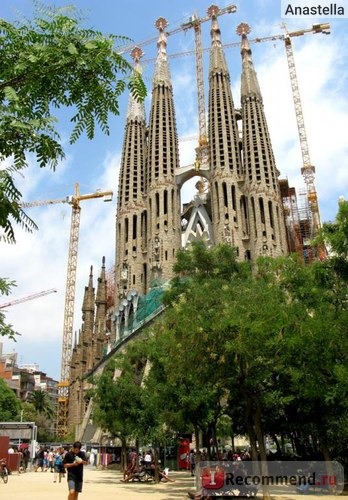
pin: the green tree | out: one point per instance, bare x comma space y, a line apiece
29, 412
117, 400
10, 405
6, 330
43, 404
45, 64
262, 343
261, 336
315, 357
335, 236
336, 233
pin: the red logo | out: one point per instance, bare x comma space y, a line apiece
213, 478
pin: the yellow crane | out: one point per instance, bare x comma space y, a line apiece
63, 386
307, 170
28, 297
195, 22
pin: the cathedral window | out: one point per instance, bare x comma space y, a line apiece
224, 189
254, 215
126, 229
165, 202
271, 218
234, 203
262, 210
157, 205
134, 227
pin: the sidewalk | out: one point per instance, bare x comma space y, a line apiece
107, 485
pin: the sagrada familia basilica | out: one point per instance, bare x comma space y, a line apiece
238, 201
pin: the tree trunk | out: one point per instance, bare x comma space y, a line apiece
197, 452
330, 480
155, 458
123, 454
262, 448
250, 428
232, 443
276, 440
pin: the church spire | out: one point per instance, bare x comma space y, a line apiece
249, 83
99, 337
101, 288
163, 195
88, 299
162, 74
217, 56
136, 109
262, 191
131, 205
225, 158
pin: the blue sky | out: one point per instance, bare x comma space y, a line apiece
38, 261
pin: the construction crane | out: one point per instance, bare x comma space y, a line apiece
202, 151
307, 170
28, 297
63, 386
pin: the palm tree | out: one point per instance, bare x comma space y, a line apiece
43, 403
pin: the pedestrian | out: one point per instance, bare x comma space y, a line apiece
74, 460
50, 460
39, 460
58, 465
192, 460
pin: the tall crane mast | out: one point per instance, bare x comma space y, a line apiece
28, 297
307, 170
195, 22
63, 386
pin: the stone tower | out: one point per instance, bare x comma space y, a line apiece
89, 347
264, 221
131, 220
164, 230
82, 359
100, 337
227, 199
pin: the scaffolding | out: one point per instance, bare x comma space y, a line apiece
298, 221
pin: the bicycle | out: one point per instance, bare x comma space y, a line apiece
3, 470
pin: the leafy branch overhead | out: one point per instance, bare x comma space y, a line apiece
48, 63
6, 329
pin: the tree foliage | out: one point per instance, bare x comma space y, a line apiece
46, 64
263, 344
43, 403
335, 236
6, 329
117, 399
9, 403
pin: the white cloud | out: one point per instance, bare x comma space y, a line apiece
38, 262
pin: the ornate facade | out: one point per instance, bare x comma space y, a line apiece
241, 206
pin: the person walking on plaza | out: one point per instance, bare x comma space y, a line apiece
74, 460
192, 460
58, 465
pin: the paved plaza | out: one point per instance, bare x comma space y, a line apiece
107, 485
